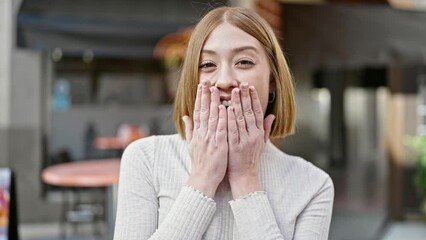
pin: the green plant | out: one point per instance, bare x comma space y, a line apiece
418, 143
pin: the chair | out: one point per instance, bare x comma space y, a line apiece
76, 209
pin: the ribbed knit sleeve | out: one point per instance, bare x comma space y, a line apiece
254, 217
137, 205
137, 209
314, 221
189, 217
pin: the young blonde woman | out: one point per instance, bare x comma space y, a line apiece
221, 177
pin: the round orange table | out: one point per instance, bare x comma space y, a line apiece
89, 173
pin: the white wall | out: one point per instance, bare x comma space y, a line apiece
25, 89
5, 49
20, 118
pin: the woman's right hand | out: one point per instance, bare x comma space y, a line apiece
207, 136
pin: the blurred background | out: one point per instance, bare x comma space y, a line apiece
81, 79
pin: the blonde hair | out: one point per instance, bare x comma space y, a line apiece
284, 106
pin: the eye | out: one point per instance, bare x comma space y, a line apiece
206, 65
245, 63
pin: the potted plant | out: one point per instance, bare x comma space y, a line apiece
418, 143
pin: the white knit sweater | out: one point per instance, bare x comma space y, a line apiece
154, 202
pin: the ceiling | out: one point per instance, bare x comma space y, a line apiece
110, 28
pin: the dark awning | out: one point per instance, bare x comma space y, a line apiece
109, 28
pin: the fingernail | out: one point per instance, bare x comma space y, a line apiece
236, 90
251, 88
245, 85
211, 89
199, 86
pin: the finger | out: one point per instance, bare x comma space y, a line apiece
188, 127
247, 108
214, 109
221, 133
239, 117
205, 106
233, 136
197, 107
268, 126
257, 107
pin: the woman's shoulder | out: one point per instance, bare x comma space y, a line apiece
308, 177
305, 167
296, 167
146, 148
153, 140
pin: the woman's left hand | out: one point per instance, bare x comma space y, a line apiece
247, 134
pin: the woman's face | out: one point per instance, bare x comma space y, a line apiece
230, 57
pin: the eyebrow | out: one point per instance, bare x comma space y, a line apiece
235, 50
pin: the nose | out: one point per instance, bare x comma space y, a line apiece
226, 79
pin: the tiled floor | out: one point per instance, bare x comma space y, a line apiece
52, 231
406, 230
351, 228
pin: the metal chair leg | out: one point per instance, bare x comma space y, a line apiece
65, 206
